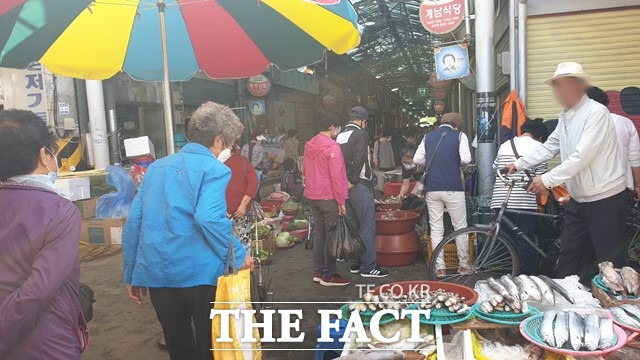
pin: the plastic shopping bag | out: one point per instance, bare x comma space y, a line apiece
116, 204
234, 292
343, 242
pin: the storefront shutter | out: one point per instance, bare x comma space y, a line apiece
606, 43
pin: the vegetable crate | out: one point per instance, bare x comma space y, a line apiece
450, 252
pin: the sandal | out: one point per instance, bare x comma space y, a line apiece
464, 271
441, 273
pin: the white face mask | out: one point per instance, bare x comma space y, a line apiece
53, 175
336, 131
224, 155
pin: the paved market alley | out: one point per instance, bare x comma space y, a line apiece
122, 330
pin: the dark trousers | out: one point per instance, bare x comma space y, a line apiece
325, 218
361, 212
176, 309
527, 254
593, 231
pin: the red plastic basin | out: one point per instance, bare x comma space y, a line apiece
388, 207
404, 287
403, 222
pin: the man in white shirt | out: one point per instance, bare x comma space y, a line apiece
443, 151
628, 141
586, 140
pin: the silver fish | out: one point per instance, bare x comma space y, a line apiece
486, 307
630, 280
606, 333
556, 287
591, 332
497, 287
631, 310
531, 288
507, 282
524, 296
624, 318
610, 277
544, 288
546, 330
561, 329
576, 330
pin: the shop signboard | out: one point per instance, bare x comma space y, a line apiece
25, 89
441, 16
259, 85
256, 107
452, 62
328, 101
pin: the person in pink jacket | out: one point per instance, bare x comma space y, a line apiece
326, 191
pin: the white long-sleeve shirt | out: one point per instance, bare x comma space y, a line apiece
420, 157
586, 140
628, 145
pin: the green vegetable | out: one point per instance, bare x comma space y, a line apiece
297, 226
263, 231
281, 241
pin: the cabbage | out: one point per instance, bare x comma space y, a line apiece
282, 241
285, 235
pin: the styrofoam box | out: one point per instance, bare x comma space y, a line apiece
139, 146
75, 188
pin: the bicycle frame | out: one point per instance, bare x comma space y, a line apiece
495, 227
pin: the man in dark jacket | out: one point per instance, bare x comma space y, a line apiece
354, 141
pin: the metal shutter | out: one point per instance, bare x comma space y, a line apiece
606, 43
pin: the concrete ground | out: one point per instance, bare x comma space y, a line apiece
123, 330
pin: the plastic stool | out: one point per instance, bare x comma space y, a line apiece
326, 350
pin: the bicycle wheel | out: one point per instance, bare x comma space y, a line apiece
632, 241
486, 258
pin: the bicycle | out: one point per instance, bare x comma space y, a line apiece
492, 252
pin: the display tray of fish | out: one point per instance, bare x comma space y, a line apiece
574, 333
421, 299
627, 316
623, 283
511, 293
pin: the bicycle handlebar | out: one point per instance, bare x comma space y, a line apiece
505, 171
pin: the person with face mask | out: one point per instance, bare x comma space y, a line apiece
177, 238
39, 236
354, 142
326, 190
410, 171
242, 190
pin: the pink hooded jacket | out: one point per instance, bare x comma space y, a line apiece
324, 171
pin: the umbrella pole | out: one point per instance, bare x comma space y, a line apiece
166, 85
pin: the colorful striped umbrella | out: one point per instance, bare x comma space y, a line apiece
171, 40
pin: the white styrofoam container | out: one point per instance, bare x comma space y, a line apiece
74, 188
139, 146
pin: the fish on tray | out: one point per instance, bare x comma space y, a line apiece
545, 289
570, 330
611, 277
622, 314
630, 280
557, 288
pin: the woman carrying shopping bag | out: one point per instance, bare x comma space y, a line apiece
177, 237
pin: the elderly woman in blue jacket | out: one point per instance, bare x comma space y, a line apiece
177, 237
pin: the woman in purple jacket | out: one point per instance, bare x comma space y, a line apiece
39, 236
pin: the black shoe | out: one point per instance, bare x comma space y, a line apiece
355, 270
377, 272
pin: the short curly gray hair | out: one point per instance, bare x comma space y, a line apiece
211, 120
